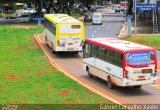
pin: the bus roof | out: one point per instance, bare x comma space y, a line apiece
118, 44
60, 18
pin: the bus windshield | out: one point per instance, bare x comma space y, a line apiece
140, 58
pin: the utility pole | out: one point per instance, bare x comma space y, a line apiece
125, 9
135, 20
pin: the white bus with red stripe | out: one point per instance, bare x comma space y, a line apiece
120, 62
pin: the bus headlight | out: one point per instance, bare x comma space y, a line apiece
58, 43
126, 75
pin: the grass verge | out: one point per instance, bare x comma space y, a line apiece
149, 40
26, 77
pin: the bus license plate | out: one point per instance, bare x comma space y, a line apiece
141, 77
70, 48
70, 43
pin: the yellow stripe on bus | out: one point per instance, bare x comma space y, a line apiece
70, 34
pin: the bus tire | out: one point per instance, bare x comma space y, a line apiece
46, 40
89, 74
137, 87
110, 83
54, 52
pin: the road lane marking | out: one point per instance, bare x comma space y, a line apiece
111, 18
107, 22
122, 29
92, 35
70, 76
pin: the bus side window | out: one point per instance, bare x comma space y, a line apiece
94, 51
101, 53
112, 56
109, 56
118, 59
51, 27
87, 50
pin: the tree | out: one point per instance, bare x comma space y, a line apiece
56, 5
48, 4
39, 4
65, 5
87, 2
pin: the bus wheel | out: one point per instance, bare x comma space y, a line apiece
138, 86
46, 40
89, 74
54, 52
52, 48
109, 83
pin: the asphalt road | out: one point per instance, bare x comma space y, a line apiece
110, 28
73, 65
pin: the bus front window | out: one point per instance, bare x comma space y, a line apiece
139, 58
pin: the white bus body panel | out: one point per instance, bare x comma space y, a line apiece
70, 39
69, 43
66, 28
134, 73
66, 43
102, 69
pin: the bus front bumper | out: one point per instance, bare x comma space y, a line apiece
58, 48
127, 82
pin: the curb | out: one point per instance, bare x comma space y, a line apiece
121, 31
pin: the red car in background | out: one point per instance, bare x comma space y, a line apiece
124, 6
123, 3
